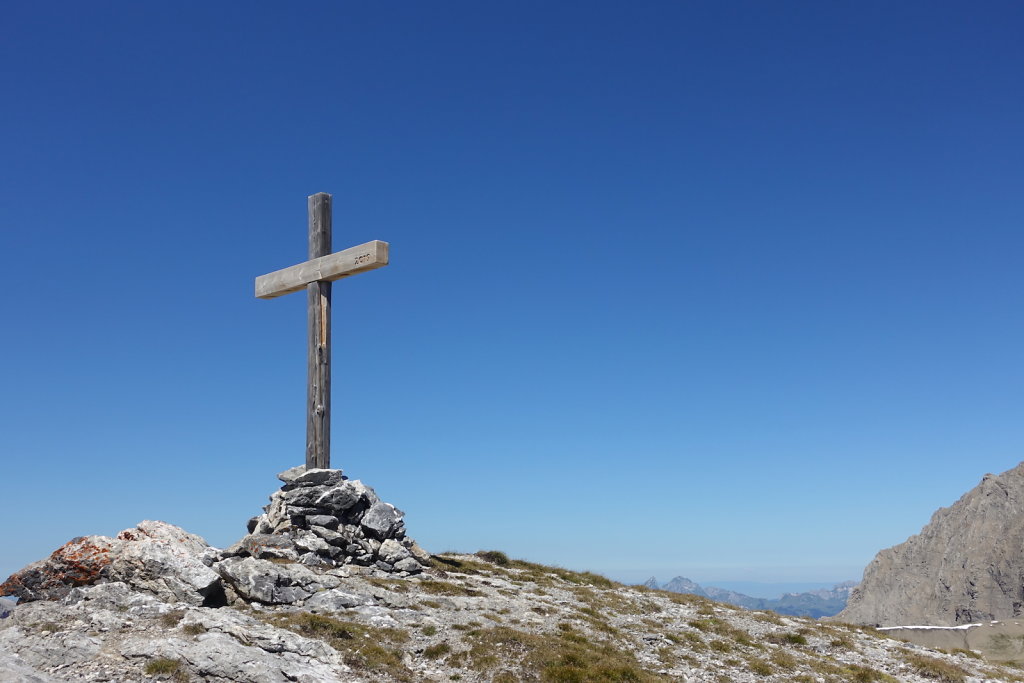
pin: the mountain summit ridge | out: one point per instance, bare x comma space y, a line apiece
158, 603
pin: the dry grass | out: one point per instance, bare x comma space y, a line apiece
169, 669
445, 588
437, 651
566, 656
396, 585
363, 647
931, 667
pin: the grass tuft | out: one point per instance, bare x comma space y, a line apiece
940, 670
494, 557
163, 666
566, 656
436, 651
171, 619
444, 588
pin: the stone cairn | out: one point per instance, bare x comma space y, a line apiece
321, 518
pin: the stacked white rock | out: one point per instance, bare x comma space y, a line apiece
321, 518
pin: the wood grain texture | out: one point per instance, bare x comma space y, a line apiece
318, 403
327, 268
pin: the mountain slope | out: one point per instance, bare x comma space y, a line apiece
965, 566
468, 618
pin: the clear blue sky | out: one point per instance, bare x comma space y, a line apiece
730, 290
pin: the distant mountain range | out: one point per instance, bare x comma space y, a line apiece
816, 603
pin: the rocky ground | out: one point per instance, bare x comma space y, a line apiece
326, 586
465, 618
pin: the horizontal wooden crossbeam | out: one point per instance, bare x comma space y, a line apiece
334, 266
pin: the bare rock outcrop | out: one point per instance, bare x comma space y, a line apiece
154, 557
966, 565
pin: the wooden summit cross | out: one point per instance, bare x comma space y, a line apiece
315, 276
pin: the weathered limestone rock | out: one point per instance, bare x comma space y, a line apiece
78, 562
173, 536
13, 670
330, 520
108, 632
391, 551
115, 597
325, 521
409, 564
290, 475
112, 633
222, 657
336, 600
332, 537
381, 519
965, 566
154, 557
172, 573
317, 522
318, 477
270, 583
340, 498
309, 542
266, 546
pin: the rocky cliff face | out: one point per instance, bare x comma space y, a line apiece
966, 565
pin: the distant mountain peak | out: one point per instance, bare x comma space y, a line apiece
816, 603
681, 584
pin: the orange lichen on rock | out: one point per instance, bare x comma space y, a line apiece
78, 562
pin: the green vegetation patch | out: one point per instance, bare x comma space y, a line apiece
706, 625
865, 674
363, 647
768, 617
566, 656
436, 651
494, 557
726, 630
444, 588
193, 629
170, 668
545, 575
616, 601
760, 667
783, 660
446, 563
171, 619
966, 653
850, 672
396, 585
787, 638
931, 667
687, 599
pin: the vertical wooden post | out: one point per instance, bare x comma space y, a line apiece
318, 405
